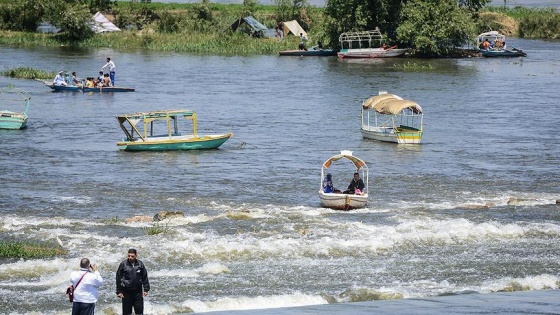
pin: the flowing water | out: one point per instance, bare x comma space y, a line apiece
471, 209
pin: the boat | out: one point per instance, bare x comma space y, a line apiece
496, 46
366, 44
313, 51
10, 98
338, 200
388, 117
82, 89
141, 136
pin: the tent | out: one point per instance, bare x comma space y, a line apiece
294, 27
255, 28
101, 24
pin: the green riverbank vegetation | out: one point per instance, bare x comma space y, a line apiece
431, 28
29, 250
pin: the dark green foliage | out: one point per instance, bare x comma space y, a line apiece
542, 23
202, 10
168, 22
99, 5
22, 15
73, 20
435, 27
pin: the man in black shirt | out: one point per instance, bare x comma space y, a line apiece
132, 284
356, 183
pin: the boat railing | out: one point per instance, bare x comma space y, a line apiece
362, 39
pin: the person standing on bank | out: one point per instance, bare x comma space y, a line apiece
111, 66
85, 282
132, 283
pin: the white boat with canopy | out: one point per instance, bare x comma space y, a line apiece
338, 200
390, 118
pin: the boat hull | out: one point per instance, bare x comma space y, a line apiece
12, 121
502, 53
112, 89
342, 201
371, 53
388, 134
174, 143
305, 53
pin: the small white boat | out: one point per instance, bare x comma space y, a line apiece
366, 44
389, 118
12, 97
340, 201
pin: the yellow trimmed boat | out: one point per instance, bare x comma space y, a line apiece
389, 118
336, 199
139, 129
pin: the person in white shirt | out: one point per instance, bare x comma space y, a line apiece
111, 66
86, 281
59, 79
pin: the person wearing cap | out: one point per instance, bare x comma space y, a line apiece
59, 79
111, 66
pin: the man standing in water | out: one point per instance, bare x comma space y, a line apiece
132, 284
85, 282
111, 66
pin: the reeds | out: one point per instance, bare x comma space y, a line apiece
28, 73
28, 250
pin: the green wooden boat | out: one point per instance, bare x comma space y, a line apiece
139, 129
11, 97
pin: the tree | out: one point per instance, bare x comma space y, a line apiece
435, 27
360, 15
74, 20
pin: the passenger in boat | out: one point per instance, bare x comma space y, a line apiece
486, 44
59, 79
504, 45
498, 44
75, 80
89, 82
302, 42
328, 184
106, 80
356, 183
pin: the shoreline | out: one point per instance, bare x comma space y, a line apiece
510, 303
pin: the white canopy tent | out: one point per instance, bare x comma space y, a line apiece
294, 27
101, 24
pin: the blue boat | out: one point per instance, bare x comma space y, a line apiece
10, 97
493, 44
313, 51
81, 89
139, 129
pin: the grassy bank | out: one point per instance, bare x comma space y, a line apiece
29, 250
179, 28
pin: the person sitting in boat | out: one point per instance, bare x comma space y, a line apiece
486, 44
504, 45
328, 184
75, 80
498, 44
59, 79
89, 82
106, 80
356, 182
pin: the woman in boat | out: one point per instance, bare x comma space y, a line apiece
106, 80
328, 184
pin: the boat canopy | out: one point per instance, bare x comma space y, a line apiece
361, 39
157, 114
345, 155
390, 104
491, 36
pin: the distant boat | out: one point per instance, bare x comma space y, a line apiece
141, 136
496, 46
366, 44
338, 200
313, 51
389, 118
81, 89
12, 97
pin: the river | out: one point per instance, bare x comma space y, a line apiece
471, 209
